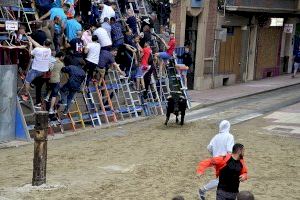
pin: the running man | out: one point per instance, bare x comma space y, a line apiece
220, 145
231, 170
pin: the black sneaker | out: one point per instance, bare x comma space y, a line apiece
201, 194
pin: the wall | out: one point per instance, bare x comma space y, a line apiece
177, 19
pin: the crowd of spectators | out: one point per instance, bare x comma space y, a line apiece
96, 39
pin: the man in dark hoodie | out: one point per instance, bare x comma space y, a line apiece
187, 61
76, 74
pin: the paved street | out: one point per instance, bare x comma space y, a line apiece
146, 160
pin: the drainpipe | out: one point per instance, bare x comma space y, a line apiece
215, 45
214, 61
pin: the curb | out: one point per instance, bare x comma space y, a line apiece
240, 97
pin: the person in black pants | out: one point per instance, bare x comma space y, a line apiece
231, 170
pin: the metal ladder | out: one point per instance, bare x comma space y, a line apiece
92, 110
115, 92
140, 5
117, 86
132, 98
155, 103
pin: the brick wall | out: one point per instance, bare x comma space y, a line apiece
176, 19
210, 31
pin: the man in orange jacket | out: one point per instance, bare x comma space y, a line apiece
231, 170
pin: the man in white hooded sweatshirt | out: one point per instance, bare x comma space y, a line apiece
220, 145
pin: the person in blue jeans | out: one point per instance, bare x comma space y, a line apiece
76, 78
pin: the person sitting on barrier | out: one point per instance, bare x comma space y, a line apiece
107, 60
166, 55
93, 52
40, 63
144, 67
74, 83
54, 82
182, 69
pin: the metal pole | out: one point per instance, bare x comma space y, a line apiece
214, 62
40, 148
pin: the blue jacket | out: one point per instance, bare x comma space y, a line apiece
116, 31
76, 76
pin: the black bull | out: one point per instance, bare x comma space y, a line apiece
177, 106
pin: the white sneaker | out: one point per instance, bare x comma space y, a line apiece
184, 88
51, 112
122, 77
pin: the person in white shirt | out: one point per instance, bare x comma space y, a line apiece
40, 63
220, 145
93, 52
107, 11
103, 38
106, 25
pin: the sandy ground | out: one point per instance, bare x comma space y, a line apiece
147, 160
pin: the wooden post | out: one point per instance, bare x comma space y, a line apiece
40, 148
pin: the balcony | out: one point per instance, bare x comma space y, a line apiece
271, 6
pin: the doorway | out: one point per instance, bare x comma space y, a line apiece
191, 29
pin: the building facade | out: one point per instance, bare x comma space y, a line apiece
237, 40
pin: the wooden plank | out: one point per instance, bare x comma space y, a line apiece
237, 54
222, 58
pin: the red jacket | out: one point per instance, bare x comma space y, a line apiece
219, 163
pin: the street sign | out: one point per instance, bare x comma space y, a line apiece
288, 28
11, 25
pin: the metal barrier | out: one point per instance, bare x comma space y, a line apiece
8, 88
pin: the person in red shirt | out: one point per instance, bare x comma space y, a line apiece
166, 55
231, 170
141, 71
